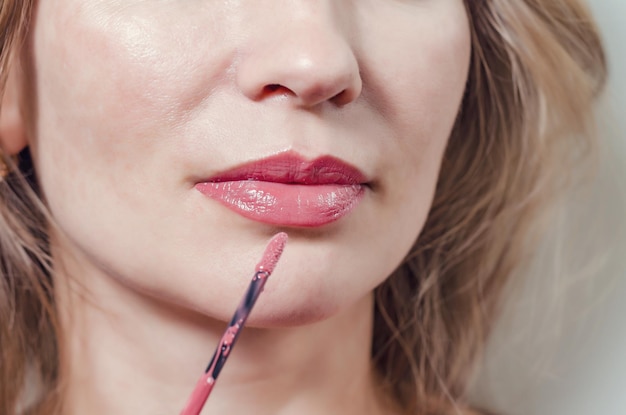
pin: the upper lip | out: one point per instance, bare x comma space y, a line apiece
292, 168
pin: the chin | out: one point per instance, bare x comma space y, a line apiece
268, 316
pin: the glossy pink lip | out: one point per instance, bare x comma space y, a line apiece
288, 190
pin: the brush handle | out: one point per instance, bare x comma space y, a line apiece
264, 269
236, 323
199, 396
229, 338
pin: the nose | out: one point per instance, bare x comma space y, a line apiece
307, 61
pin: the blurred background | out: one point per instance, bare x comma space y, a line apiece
561, 347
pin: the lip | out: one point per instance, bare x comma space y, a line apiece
288, 190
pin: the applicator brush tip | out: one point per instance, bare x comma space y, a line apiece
272, 253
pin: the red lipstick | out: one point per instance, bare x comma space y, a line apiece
288, 190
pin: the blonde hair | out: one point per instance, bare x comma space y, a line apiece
526, 116
28, 341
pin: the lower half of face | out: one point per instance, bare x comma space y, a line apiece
173, 141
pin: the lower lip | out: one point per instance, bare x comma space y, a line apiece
285, 204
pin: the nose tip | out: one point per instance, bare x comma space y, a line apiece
302, 69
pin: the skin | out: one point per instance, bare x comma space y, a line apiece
132, 102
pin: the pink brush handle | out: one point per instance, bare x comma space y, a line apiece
199, 396
203, 388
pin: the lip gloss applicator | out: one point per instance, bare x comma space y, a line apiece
263, 270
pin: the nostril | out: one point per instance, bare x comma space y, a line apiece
344, 97
276, 89
340, 98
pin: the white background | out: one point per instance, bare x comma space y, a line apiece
561, 347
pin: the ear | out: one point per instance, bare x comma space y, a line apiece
13, 137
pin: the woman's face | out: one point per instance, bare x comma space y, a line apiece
144, 108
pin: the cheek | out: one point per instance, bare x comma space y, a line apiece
109, 71
421, 85
420, 72
430, 98
112, 82
429, 76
